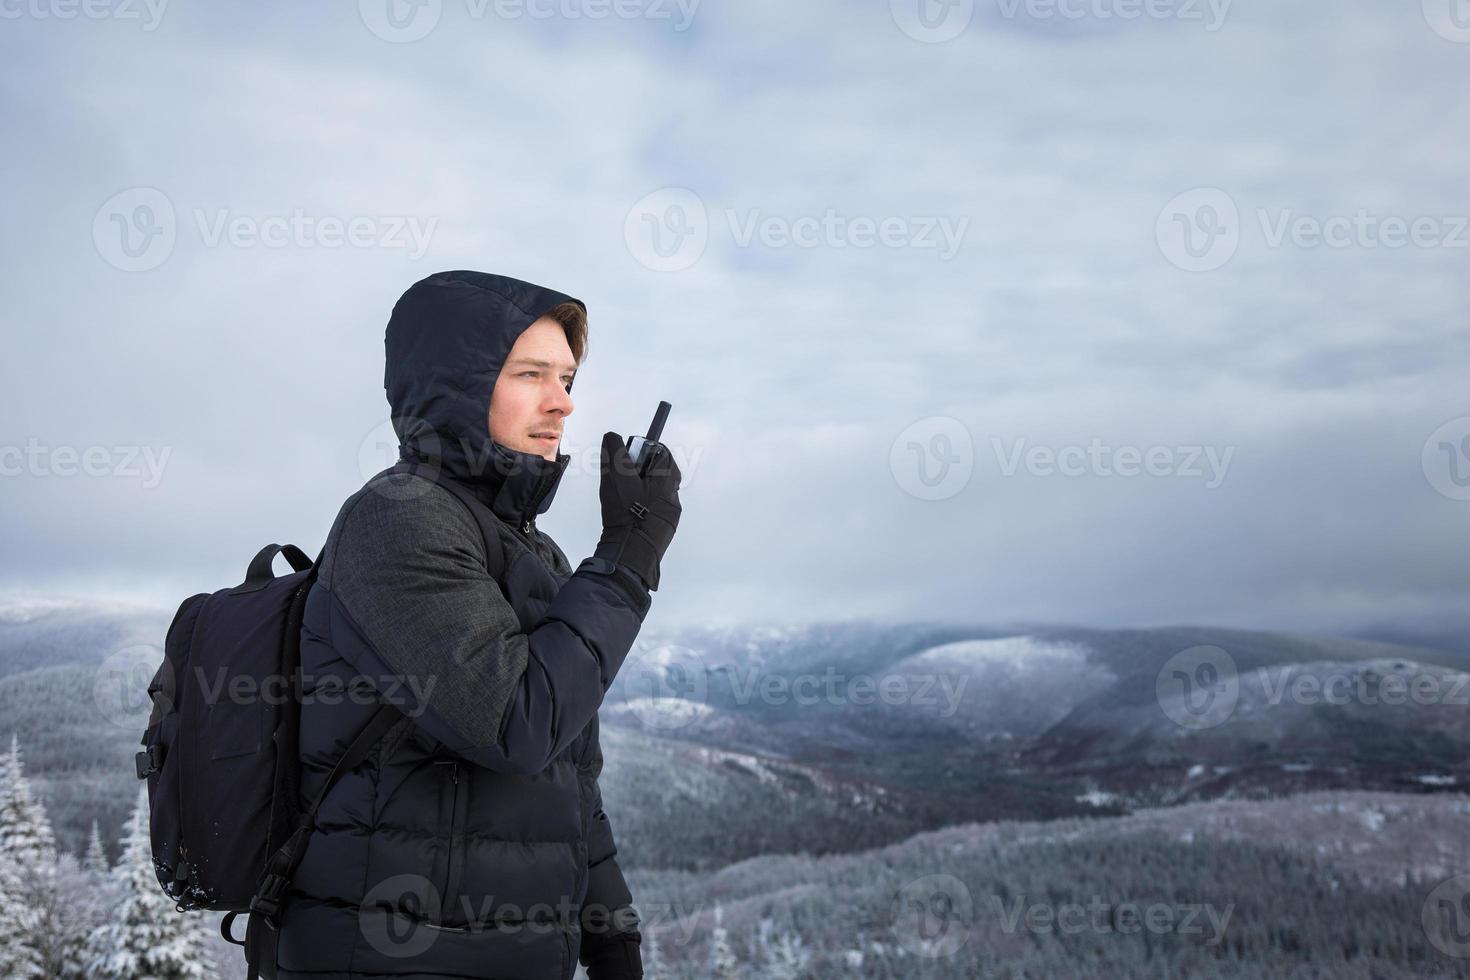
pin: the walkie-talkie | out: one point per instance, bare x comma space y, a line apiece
643, 450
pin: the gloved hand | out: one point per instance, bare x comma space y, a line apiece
639, 513
615, 957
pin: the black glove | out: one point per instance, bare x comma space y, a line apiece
615, 957
639, 513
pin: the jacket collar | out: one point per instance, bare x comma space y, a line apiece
517, 486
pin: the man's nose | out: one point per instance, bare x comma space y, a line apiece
560, 400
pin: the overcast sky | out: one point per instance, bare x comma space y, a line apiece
1013, 311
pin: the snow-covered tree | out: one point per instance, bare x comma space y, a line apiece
784, 953
95, 860
146, 938
25, 832
29, 845
722, 962
78, 903
19, 957
648, 952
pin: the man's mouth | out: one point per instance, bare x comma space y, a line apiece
545, 436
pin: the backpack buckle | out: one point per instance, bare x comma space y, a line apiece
267, 901
149, 761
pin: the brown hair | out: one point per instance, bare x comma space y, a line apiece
573, 319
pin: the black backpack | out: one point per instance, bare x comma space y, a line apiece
220, 751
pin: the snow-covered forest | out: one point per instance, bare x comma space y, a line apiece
69, 917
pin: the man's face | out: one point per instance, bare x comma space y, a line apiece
531, 398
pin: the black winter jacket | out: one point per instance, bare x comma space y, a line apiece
473, 843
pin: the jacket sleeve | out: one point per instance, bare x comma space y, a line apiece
610, 923
416, 613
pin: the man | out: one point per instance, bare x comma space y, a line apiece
473, 843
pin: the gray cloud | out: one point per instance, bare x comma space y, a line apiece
523, 145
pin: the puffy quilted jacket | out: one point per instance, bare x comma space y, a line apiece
473, 843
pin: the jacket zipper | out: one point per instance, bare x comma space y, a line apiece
447, 898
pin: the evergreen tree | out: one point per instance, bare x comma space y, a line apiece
722, 962
95, 860
79, 903
25, 832
147, 939
27, 842
785, 956
649, 953
19, 957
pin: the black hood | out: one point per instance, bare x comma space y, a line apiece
446, 341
